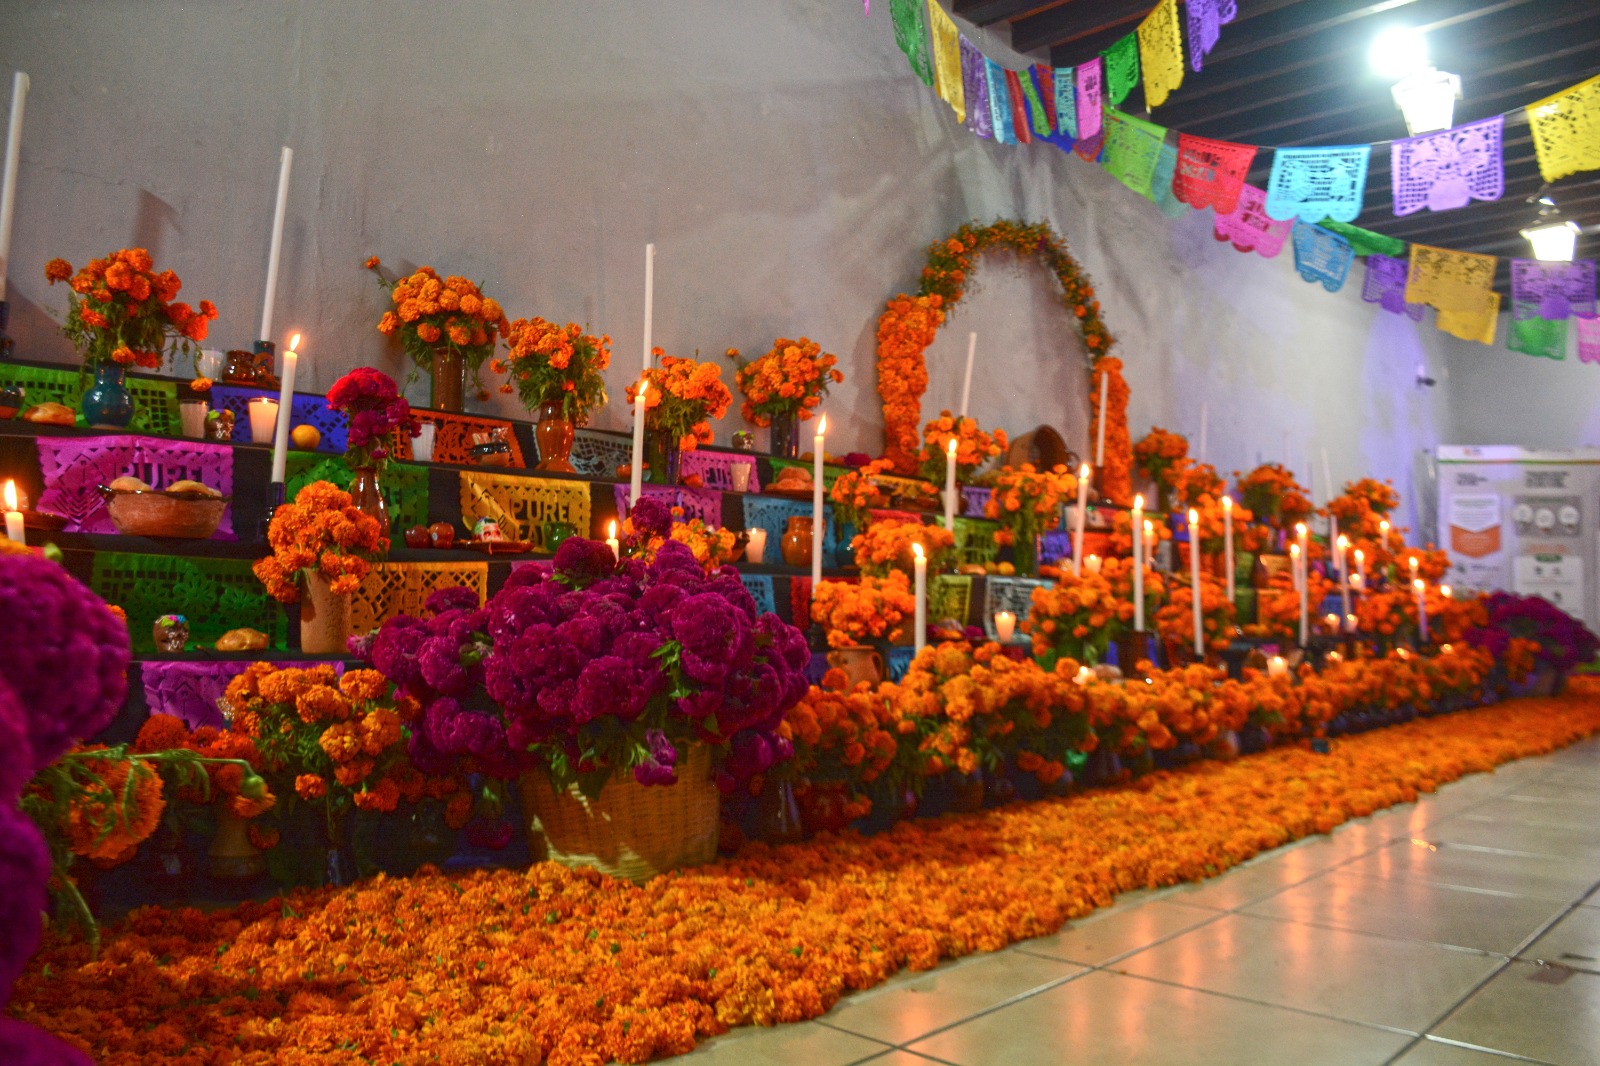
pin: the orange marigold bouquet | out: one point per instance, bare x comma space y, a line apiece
791, 379
1271, 491
560, 364
121, 311
1076, 619
321, 532
1175, 620
432, 313
856, 493
1027, 502
685, 397
974, 448
1115, 476
1160, 454
886, 546
652, 523
1278, 606
1120, 540
875, 608
840, 735
906, 328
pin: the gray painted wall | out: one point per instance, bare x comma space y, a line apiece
789, 168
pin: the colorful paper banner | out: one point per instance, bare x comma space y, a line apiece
947, 70
1249, 226
1538, 336
975, 85
1133, 147
1161, 53
911, 34
1451, 281
1447, 169
1312, 183
1385, 285
1566, 130
1321, 256
1122, 68
1210, 173
1206, 19
1552, 290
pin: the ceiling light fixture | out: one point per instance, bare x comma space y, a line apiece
1425, 96
1554, 238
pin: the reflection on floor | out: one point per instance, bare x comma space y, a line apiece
1463, 930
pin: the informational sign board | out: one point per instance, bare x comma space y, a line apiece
1525, 521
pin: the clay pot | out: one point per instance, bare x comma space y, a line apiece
324, 618
555, 433
859, 663
796, 543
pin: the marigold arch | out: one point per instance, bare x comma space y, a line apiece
910, 323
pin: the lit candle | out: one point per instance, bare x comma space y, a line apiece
920, 569
1149, 544
285, 161
817, 518
636, 472
1349, 623
1446, 591
966, 381
1297, 563
1083, 509
1194, 579
1100, 443
8, 183
263, 419
611, 540
1277, 666
950, 485
1343, 545
1138, 562
756, 547
1358, 577
1303, 535
1413, 568
1005, 626
1383, 535
1083, 676
13, 516
1227, 543
649, 302
1092, 564
1330, 622
280, 439
1422, 611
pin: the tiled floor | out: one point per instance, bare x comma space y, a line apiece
1461, 931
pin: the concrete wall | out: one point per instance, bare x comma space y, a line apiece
789, 168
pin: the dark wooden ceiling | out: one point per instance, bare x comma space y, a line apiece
1294, 72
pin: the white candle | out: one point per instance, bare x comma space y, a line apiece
1358, 577
1194, 578
1277, 666
14, 529
8, 183
612, 542
636, 471
1227, 542
966, 381
1413, 568
1092, 564
1083, 509
1383, 535
920, 569
649, 303
1298, 562
1349, 623
280, 438
1343, 545
1330, 622
1422, 610
1446, 592
263, 419
285, 161
1303, 537
818, 520
1205, 424
1005, 626
1149, 544
950, 486
1138, 563
756, 547
1100, 444
1083, 676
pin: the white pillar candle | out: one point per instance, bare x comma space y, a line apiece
1227, 543
612, 542
1100, 444
636, 471
818, 520
280, 437
8, 182
1091, 565
966, 380
1194, 578
649, 303
920, 570
1083, 676
14, 530
1422, 610
756, 547
285, 161
1349, 623
263, 419
1083, 510
1343, 546
1277, 666
1138, 564
1005, 626
950, 486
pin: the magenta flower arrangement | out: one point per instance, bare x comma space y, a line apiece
372, 402
587, 668
1564, 642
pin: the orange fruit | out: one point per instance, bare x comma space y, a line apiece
306, 438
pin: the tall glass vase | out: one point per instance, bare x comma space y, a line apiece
367, 496
661, 454
107, 404
449, 380
786, 436
555, 433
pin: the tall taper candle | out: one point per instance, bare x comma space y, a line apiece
1342, 547
636, 472
818, 520
1303, 536
8, 184
1194, 579
1422, 611
950, 486
649, 302
1138, 564
1083, 508
1100, 443
280, 436
920, 619
1358, 578
966, 381
285, 161
1227, 542
1150, 544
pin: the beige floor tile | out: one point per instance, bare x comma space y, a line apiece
1511, 810
1573, 941
900, 1057
1543, 876
1107, 934
1109, 1019
1530, 1010
1413, 910
1522, 837
783, 1045
914, 1005
1354, 976
1263, 876
1437, 1053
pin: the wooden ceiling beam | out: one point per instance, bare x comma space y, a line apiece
988, 12
1073, 22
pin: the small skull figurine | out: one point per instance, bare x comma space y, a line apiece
219, 425
170, 632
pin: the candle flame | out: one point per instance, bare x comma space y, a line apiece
1300, 529
1446, 592
1194, 518
1083, 472
11, 495
1417, 584
1344, 542
1446, 649
1383, 527
916, 549
1294, 551
1413, 562
1360, 555
1149, 526
822, 426
294, 342
1138, 503
1227, 503
952, 447
644, 387
612, 532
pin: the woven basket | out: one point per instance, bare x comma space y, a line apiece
631, 831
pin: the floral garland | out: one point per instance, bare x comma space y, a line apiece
910, 323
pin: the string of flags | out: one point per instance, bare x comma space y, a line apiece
1313, 195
